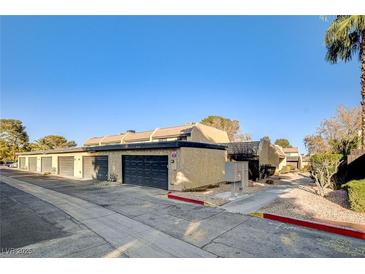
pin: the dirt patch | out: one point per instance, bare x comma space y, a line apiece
304, 203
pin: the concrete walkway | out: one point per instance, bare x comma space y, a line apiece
126, 235
253, 202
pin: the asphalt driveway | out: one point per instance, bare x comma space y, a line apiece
141, 217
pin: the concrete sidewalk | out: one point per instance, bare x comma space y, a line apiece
253, 202
126, 235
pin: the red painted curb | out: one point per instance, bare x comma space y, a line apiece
184, 199
318, 226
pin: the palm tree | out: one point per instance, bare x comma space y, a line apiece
345, 38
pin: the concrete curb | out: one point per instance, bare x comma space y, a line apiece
189, 200
313, 225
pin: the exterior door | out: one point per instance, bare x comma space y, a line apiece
145, 170
95, 167
46, 164
32, 163
22, 162
66, 166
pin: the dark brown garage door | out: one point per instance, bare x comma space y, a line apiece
66, 165
46, 164
22, 162
145, 170
95, 167
32, 163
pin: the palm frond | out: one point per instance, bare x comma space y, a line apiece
337, 50
343, 37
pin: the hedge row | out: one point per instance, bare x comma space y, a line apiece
356, 193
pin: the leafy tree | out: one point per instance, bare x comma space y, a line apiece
52, 142
338, 134
242, 137
345, 145
283, 143
316, 144
232, 127
13, 138
344, 39
266, 138
323, 168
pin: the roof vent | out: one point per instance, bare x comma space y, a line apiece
131, 131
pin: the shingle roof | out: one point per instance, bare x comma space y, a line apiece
172, 132
112, 139
94, 141
138, 136
243, 148
142, 136
155, 135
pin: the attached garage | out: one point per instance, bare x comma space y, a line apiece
22, 162
46, 164
66, 166
145, 170
95, 167
169, 165
32, 163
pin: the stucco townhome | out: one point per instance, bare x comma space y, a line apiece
174, 158
293, 157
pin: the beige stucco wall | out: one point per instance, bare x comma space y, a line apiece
77, 162
269, 156
199, 167
264, 152
205, 134
190, 168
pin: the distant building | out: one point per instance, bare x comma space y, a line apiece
263, 158
281, 158
305, 161
293, 157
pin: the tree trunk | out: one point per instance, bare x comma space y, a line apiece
363, 91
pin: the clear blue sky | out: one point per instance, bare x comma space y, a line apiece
91, 76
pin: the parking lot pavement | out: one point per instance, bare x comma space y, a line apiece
35, 228
213, 230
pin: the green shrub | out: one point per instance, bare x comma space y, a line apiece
286, 169
323, 167
305, 169
356, 194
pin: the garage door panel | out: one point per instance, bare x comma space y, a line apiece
88, 169
66, 166
32, 163
46, 164
101, 167
95, 167
22, 162
145, 170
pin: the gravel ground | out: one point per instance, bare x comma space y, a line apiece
303, 203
